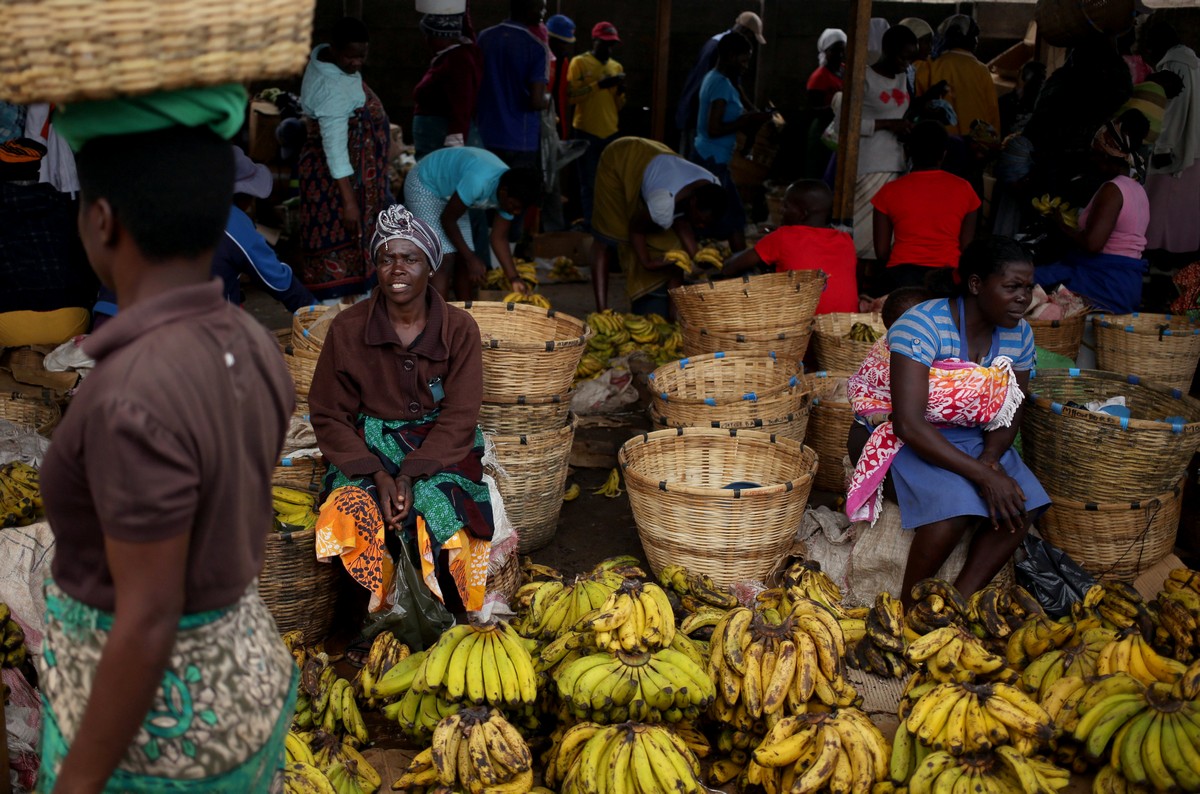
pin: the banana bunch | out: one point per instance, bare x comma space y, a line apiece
386, 652
709, 258
637, 617
294, 510
572, 492
1002, 771
526, 271
304, 778
563, 269
935, 604
1154, 733
680, 259
473, 750
340, 763
1117, 606
536, 572
1045, 205
555, 608
699, 586
484, 663
766, 665
961, 717
952, 654
326, 702
667, 685
13, 652
840, 752
622, 334
1035, 637
533, 299
1078, 658
611, 487
864, 332
20, 495
1109, 781
997, 610
1178, 630
630, 758
880, 649
1131, 654
805, 579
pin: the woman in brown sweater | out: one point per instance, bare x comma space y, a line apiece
395, 403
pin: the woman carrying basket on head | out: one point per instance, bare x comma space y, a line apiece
394, 402
945, 406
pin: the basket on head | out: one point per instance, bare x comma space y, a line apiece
1115, 540
42, 414
525, 416
836, 351
531, 472
1088, 456
309, 328
302, 364
788, 345
1160, 347
1060, 336
70, 50
731, 391
687, 516
751, 304
829, 427
527, 351
306, 474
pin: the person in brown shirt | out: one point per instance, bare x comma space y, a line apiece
395, 404
161, 663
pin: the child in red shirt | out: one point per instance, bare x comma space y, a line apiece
806, 242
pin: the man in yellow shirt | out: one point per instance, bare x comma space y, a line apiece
597, 90
972, 91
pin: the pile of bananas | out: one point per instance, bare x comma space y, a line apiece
294, 510
326, 702
805, 579
637, 617
611, 487
623, 334
1150, 734
999, 609
952, 654
555, 608
1117, 606
699, 602
630, 758
840, 751
1047, 206
1178, 611
1079, 657
473, 750
533, 299
13, 652
563, 269
536, 572
386, 652
962, 717
1033, 638
880, 648
935, 604
710, 257
666, 685
1002, 771
1131, 654
679, 258
864, 332
20, 495
334, 767
526, 271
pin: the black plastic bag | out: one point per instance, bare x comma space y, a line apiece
1051, 576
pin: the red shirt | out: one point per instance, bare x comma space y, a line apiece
815, 248
927, 210
826, 82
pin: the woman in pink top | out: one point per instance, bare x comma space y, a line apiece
1107, 266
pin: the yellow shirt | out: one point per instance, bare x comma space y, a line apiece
595, 108
972, 92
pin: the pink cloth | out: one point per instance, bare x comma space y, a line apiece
1128, 237
1175, 222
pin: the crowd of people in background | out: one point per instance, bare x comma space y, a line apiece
512, 128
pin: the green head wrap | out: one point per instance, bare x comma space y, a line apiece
221, 108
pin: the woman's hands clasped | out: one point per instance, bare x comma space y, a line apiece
395, 498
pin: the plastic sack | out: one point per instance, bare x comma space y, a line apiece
828, 538
1051, 576
415, 617
607, 393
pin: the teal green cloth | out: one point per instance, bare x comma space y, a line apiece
221, 108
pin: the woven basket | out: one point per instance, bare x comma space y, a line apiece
301, 364
1161, 347
69, 50
751, 304
507, 579
531, 472
43, 415
305, 474
1093, 457
686, 516
300, 591
528, 352
306, 334
834, 351
793, 425
1115, 540
787, 344
828, 429
524, 416
1060, 336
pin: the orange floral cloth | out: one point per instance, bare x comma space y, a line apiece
350, 526
469, 557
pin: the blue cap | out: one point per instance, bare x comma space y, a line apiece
561, 27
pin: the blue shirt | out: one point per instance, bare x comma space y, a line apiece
513, 59
685, 112
331, 96
472, 173
927, 333
717, 86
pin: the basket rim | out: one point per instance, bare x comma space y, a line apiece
1118, 422
792, 381
725, 494
709, 285
522, 439
828, 317
793, 332
1104, 320
524, 400
546, 346
1114, 507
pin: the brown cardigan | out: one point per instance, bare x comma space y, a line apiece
365, 369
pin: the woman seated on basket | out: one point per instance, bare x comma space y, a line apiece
946, 407
395, 403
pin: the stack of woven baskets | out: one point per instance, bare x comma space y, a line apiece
1115, 482
1161, 347
302, 348
829, 427
771, 313
529, 359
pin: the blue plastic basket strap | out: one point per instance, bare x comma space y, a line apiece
752, 396
1056, 407
683, 362
1177, 394
710, 401
286, 462
770, 353
718, 355
665, 397
793, 381
1134, 379
1177, 426
1124, 422
1073, 372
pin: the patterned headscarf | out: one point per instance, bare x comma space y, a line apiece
397, 223
444, 26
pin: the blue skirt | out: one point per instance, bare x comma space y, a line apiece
929, 493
